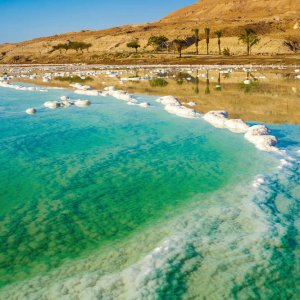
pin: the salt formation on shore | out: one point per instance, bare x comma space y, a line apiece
66, 104
120, 95
220, 119
21, 88
52, 104
258, 135
82, 103
64, 98
78, 86
87, 92
144, 104
173, 106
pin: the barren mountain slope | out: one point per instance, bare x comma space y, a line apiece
235, 9
273, 20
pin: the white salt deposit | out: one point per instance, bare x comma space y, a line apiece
168, 100
144, 104
87, 92
66, 104
236, 125
173, 106
118, 94
216, 118
257, 135
110, 89
52, 104
64, 98
82, 103
180, 111
5, 84
260, 137
78, 86
30, 111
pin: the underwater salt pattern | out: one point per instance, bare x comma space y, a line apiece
120, 202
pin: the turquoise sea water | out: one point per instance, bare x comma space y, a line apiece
120, 202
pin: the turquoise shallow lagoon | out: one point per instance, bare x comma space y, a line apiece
120, 202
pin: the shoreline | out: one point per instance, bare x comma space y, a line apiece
258, 135
167, 59
254, 108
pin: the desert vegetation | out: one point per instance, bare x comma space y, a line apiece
71, 45
179, 44
74, 79
249, 38
207, 35
197, 39
134, 44
208, 27
292, 43
219, 35
158, 42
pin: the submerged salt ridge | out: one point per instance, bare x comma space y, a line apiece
240, 247
218, 241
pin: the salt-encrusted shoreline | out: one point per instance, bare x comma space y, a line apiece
259, 135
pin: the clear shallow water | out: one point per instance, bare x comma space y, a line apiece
115, 201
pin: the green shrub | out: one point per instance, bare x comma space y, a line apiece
74, 79
158, 82
226, 51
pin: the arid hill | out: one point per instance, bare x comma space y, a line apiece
275, 21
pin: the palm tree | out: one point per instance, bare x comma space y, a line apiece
134, 44
249, 38
197, 39
219, 35
179, 44
207, 33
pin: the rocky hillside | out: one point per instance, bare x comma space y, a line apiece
274, 21
234, 10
